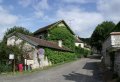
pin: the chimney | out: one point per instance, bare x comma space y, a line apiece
60, 43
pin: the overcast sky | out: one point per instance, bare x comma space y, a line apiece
81, 15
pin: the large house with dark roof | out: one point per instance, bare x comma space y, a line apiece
43, 33
39, 40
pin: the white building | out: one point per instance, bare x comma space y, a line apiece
79, 43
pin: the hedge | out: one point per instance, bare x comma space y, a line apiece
59, 56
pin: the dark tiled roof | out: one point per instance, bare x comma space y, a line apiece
40, 42
49, 26
115, 33
78, 40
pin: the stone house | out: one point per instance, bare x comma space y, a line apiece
111, 52
31, 45
42, 39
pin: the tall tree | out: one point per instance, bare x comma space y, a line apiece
16, 29
100, 34
117, 28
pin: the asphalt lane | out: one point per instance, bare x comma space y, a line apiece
83, 70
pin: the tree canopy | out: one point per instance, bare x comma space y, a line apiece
4, 49
117, 28
100, 34
16, 29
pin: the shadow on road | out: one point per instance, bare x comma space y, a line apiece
77, 77
95, 57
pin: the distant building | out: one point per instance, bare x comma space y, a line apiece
78, 42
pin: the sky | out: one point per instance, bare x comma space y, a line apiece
81, 15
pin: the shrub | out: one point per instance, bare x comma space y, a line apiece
5, 67
59, 56
81, 52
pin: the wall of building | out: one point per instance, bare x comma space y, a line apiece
31, 52
117, 62
79, 44
115, 40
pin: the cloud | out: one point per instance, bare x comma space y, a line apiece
109, 9
79, 1
6, 20
81, 22
39, 6
6, 17
25, 3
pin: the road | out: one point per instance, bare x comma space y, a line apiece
83, 70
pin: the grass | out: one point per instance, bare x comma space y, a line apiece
17, 73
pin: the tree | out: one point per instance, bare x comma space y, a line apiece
16, 29
100, 34
6, 50
117, 28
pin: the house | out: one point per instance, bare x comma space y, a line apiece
45, 33
31, 45
79, 43
57, 36
61, 40
111, 52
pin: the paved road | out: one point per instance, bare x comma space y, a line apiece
83, 70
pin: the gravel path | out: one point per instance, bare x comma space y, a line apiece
83, 70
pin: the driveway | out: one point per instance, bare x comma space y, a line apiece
83, 70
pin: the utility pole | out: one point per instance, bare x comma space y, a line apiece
70, 22
14, 66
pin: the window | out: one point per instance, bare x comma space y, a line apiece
41, 36
80, 45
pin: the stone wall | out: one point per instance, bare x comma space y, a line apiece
31, 51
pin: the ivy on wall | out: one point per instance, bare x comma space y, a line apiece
56, 56
81, 52
62, 33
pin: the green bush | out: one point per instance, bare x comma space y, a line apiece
59, 56
81, 52
5, 67
62, 33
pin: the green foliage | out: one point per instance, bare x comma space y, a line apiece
86, 40
3, 51
5, 67
16, 29
100, 34
117, 28
80, 52
59, 56
6, 50
62, 33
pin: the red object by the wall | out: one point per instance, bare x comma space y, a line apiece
20, 66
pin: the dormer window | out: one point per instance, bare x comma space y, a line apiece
41, 36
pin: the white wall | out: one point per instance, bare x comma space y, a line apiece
79, 44
115, 40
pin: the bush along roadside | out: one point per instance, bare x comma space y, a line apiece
5, 67
59, 56
81, 52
